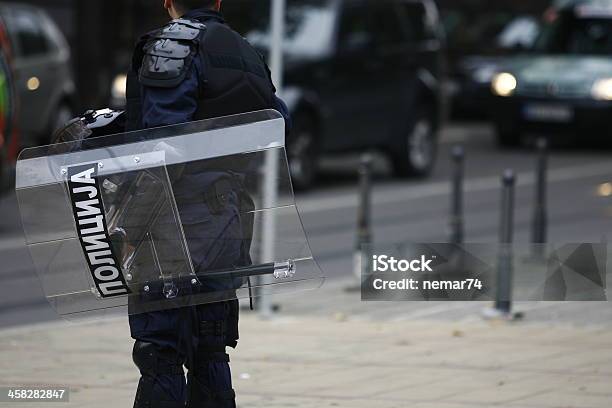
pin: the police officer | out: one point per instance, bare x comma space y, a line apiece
196, 67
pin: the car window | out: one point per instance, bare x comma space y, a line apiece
386, 24
356, 27
519, 33
54, 37
26, 29
309, 27
416, 26
370, 24
571, 35
487, 32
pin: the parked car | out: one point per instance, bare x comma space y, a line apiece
565, 85
42, 73
359, 74
8, 133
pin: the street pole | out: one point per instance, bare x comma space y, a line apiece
503, 298
539, 226
272, 157
363, 242
276, 46
456, 218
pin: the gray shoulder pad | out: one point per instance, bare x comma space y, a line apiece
180, 29
169, 53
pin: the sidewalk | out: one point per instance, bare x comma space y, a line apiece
338, 362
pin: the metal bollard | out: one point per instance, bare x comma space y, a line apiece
456, 217
503, 298
540, 217
361, 257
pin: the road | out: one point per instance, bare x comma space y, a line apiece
403, 211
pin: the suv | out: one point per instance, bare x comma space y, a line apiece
359, 74
43, 78
565, 84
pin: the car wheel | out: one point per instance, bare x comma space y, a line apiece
302, 152
416, 152
507, 137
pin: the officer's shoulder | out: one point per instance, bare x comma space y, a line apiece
168, 53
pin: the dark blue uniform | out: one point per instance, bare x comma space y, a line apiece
195, 337
163, 106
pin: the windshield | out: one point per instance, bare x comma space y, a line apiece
489, 32
569, 34
309, 25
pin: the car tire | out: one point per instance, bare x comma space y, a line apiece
507, 137
414, 154
302, 152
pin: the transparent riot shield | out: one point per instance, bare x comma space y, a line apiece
164, 218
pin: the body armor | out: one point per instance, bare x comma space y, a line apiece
235, 78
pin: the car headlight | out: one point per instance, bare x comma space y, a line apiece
602, 89
504, 84
119, 86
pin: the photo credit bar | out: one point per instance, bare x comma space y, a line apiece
474, 272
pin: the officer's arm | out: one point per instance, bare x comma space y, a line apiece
169, 75
280, 106
171, 105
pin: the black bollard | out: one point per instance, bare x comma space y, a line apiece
503, 299
362, 255
456, 217
540, 217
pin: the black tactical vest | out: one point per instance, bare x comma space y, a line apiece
235, 79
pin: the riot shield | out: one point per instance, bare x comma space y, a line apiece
165, 218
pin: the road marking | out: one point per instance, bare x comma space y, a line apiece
526, 178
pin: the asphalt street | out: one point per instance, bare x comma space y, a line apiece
403, 211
